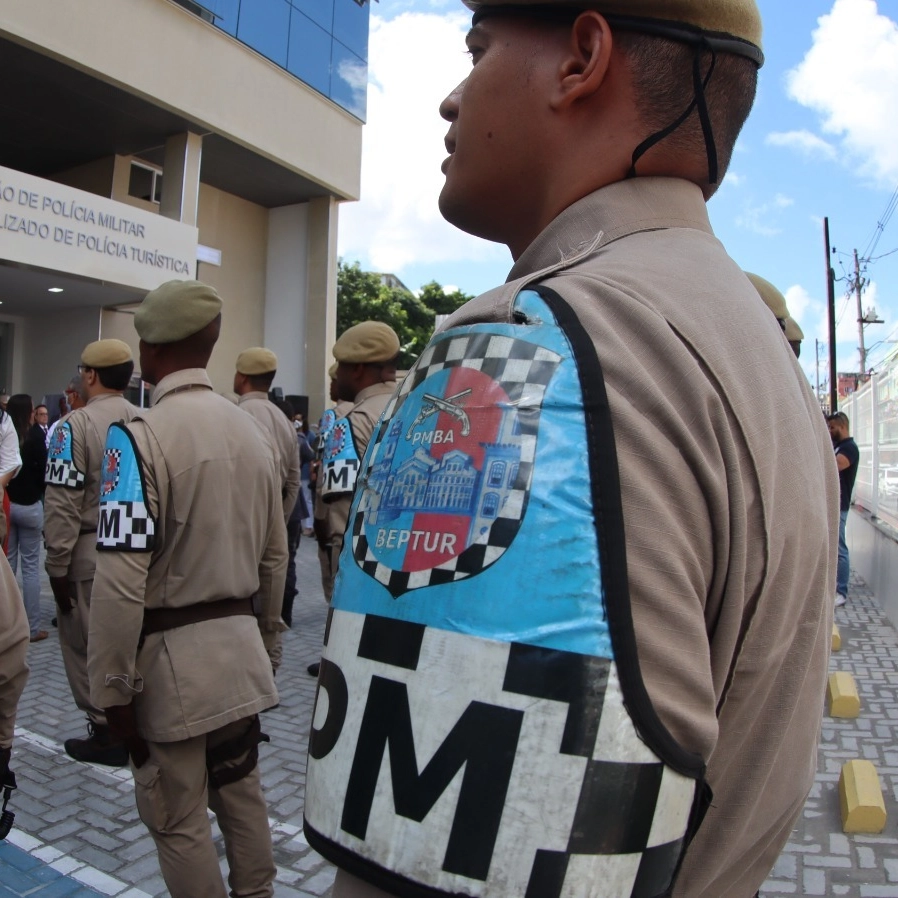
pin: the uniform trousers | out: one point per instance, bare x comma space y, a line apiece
329, 559
73, 629
173, 792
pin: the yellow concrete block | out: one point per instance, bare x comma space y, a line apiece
863, 808
842, 695
837, 639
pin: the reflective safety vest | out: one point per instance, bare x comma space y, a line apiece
340, 461
481, 726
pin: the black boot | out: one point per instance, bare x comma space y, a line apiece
100, 747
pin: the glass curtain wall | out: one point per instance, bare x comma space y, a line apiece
324, 43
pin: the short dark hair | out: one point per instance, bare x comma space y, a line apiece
261, 383
661, 70
116, 377
839, 418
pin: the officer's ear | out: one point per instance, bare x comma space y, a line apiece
584, 67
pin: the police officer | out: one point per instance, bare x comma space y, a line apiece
185, 602
71, 508
579, 526
361, 384
256, 369
776, 302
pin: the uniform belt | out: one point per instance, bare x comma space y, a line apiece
155, 620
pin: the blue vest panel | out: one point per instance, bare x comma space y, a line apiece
475, 738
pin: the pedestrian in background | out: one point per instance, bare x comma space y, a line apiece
847, 458
26, 492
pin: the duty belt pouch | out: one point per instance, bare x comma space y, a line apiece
486, 731
221, 773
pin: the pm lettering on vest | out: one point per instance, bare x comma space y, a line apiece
407, 768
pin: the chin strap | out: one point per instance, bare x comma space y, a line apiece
699, 85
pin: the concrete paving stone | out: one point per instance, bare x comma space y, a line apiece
879, 891
97, 857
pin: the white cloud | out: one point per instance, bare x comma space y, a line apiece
414, 60
762, 219
850, 77
805, 142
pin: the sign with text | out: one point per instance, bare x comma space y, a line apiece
53, 226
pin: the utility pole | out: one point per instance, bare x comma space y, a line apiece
858, 284
817, 368
831, 312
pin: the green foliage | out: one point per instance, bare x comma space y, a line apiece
362, 296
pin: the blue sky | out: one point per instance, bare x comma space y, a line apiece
822, 140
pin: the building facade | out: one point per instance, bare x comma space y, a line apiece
159, 139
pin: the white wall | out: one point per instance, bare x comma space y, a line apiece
873, 551
286, 279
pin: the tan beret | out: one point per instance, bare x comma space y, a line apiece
106, 353
775, 300
332, 371
732, 25
370, 341
794, 334
257, 360
176, 310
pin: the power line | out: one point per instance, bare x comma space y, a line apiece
880, 226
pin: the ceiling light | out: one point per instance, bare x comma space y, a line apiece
54, 289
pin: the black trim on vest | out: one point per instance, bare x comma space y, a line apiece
604, 478
386, 880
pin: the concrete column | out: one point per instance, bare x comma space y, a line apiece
181, 177
321, 305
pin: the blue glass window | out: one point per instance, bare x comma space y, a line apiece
349, 80
265, 26
351, 26
226, 12
319, 11
309, 57
322, 42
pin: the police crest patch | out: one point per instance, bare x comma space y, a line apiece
448, 477
125, 522
61, 470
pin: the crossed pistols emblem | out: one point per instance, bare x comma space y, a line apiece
433, 404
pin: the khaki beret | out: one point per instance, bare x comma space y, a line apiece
775, 300
175, 311
257, 360
332, 371
370, 341
732, 26
794, 334
106, 353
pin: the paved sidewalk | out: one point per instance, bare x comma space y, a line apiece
77, 833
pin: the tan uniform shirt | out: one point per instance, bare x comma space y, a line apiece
13, 649
363, 416
212, 485
730, 501
70, 515
283, 437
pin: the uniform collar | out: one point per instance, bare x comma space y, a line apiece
255, 394
612, 212
374, 390
100, 396
179, 381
